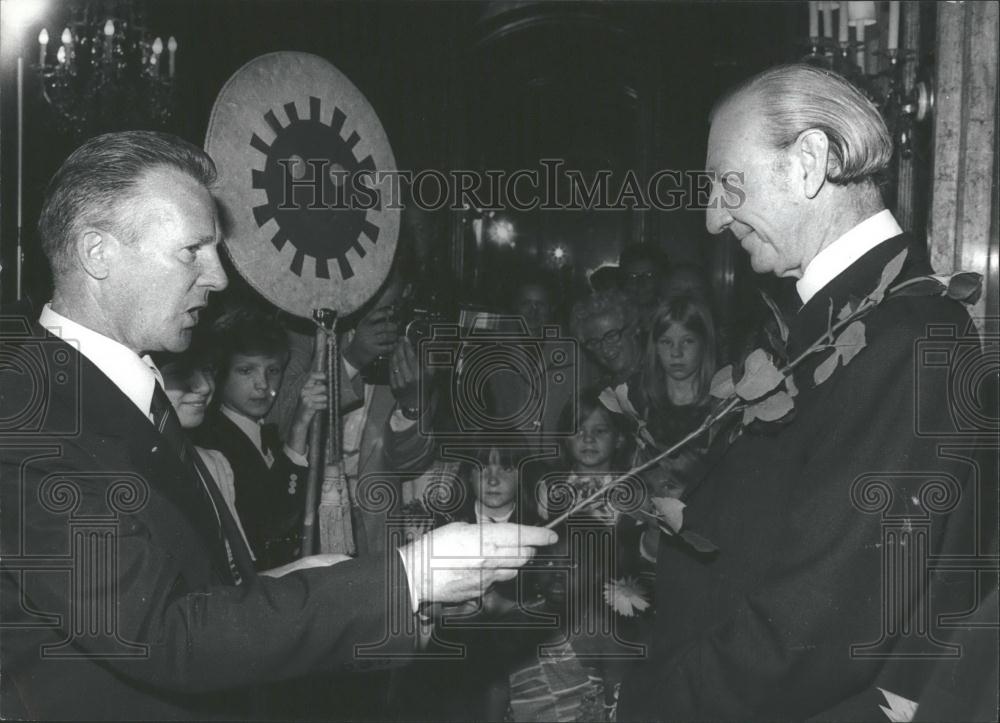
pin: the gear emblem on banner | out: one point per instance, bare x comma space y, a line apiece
300, 154
310, 161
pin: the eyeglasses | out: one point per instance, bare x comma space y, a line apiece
611, 338
640, 275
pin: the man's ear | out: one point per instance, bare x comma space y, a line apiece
812, 149
95, 250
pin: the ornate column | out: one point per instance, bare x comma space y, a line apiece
962, 231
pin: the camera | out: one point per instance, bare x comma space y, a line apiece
415, 324
954, 365
32, 370
500, 378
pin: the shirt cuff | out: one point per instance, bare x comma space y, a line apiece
295, 458
398, 421
410, 582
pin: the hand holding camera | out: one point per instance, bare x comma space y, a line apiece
406, 375
376, 335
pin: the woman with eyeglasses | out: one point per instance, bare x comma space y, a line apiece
606, 324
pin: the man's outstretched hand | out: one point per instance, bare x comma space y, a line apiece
461, 561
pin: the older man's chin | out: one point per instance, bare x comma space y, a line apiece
180, 341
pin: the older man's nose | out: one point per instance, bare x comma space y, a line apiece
717, 218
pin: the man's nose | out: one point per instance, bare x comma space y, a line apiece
717, 217
213, 275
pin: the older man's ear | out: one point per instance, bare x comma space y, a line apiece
95, 250
812, 149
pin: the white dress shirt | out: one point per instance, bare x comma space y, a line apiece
835, 258
251, 428
135, 376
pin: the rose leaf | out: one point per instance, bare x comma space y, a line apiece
851, 341
889, 274
825, 369
770, 409
698, 542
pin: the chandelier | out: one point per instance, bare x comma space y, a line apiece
106, 71
879, 74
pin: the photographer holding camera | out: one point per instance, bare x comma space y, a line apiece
387, 431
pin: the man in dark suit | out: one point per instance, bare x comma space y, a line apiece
127, 591
815, 519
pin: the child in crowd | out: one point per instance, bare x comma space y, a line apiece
189, 383
488, 487
574, 676
680, 363
269, 476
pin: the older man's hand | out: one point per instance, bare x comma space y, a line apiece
461, 561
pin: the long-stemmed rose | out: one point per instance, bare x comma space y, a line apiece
766, 392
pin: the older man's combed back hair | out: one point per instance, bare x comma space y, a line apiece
794, 98
99, 176
612, 301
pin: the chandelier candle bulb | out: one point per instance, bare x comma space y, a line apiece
61, 55
813, 19
43, 44
827, 20
109, 32
893, 40
842, 25
172, 50
860, 31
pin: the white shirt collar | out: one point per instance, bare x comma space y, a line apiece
136, 377
482, 515
249, 427
835, 258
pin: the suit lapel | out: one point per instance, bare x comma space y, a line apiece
108, 415
852, 284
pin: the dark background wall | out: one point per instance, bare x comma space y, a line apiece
458, 85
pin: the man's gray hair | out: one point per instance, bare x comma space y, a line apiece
91, 186
797, 97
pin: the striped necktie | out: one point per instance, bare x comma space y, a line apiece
169, 426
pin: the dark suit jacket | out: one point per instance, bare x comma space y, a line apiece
764, 629
148, 625
269, 500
